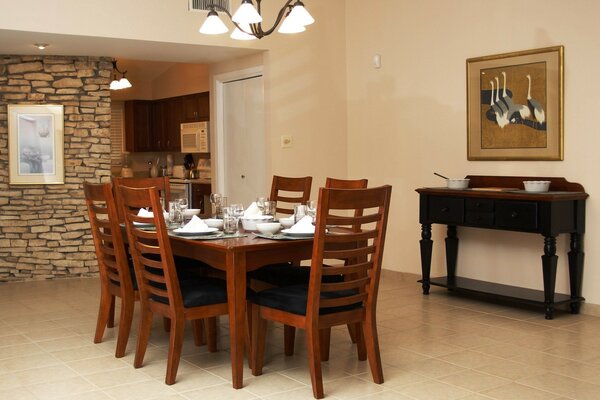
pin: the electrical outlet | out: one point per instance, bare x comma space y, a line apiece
287, 141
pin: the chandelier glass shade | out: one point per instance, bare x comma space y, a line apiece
248, 20
118, 84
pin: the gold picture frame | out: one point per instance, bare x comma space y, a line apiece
515, 105
35, 144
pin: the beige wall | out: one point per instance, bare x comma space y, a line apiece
181, 79
412, 114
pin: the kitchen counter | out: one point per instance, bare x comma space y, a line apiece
195, 181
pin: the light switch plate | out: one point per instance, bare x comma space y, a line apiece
287, 141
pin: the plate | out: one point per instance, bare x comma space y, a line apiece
206, 231
143, 224
297, 234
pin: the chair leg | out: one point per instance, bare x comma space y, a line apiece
352, 332
143, 336
166, 324
103, 315
289, 339
259, 335
211, 334
125, 320
325, 340
360, 342
175, 346
372, 347
314, 361
198, 330
111, 314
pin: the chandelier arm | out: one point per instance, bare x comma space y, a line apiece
280, 16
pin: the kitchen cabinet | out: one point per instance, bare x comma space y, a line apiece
201, 198
154, 125
138, 123
196, 107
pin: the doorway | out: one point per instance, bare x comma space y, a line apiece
241, 143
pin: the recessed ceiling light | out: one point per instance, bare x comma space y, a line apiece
41, 46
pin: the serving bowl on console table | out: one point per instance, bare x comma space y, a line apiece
457, 183
536, 186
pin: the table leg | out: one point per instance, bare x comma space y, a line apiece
451, 254
549, 262
426, 248
576, 256
236, 298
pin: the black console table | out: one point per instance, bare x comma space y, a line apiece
500, 202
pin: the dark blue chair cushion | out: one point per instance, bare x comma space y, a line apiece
293, 299
199, 292
287, 275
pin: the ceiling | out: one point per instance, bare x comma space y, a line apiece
142, 59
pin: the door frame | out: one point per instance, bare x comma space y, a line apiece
218, 81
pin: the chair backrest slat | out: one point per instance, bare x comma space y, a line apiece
161, 183
288, 192
359, 242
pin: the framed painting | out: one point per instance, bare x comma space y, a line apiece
515, 106
35, 143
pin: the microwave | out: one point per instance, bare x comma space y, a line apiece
194, 137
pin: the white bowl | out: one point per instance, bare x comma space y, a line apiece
249, 223
458, 183
536, 186
190, 212
287, 222
214, 223
268, 228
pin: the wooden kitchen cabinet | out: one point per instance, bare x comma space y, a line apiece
200, 198
138, 123
196, 107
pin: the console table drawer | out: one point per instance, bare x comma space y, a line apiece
447, 210
516, 215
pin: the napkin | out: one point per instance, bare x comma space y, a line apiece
305, 225
149, 214
252, 211
195, 225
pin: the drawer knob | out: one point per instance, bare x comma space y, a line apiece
514, 214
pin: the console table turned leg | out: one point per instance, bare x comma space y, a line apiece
451, 254
549, 262
426, 248
576, 271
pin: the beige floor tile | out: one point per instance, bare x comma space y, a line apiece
17, 394
224, 391
432, 368
141, 391
115, 377
57, 389
33, 376
395, 377
474, 381
433, 390
81, 353
40, 360
272, 383
510, 369
351, 388
69, 342
513, 391
187, 381
97, 395
12, 340
432, 348
98, 364
469, 359
20, 350
559, 384
302, 393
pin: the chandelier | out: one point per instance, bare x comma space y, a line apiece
118, 84
248, 20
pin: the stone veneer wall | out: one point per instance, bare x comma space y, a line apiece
44, 230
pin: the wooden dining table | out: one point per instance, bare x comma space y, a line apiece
237, 256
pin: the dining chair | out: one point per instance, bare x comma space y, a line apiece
162, 291
320, 305
288, 192
161, 183
116, 277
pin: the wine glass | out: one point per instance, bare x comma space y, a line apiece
215, 200
311, 209
238, 210
183, 206
260, 203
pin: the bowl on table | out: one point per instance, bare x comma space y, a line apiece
214, 223
268, 228
190, 212
287, 222
249, 223
457, 183
536, 186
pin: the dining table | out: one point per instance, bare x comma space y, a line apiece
237, 256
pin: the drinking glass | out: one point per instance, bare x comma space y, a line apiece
270, 208
215, 200
237, 209
260, 203
299, 212
230, 221
175, 215
311, 209
183, 205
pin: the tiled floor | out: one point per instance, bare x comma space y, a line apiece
433, 347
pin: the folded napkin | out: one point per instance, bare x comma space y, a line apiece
252, 211
305, 225
195, 225
149, 214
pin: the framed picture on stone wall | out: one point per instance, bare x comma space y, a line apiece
515, 105
35, 144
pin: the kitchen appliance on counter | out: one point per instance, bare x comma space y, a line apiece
197, 192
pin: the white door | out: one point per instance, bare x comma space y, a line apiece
243, 141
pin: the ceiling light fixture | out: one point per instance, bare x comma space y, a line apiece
118, 84
248, 20
41, 46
